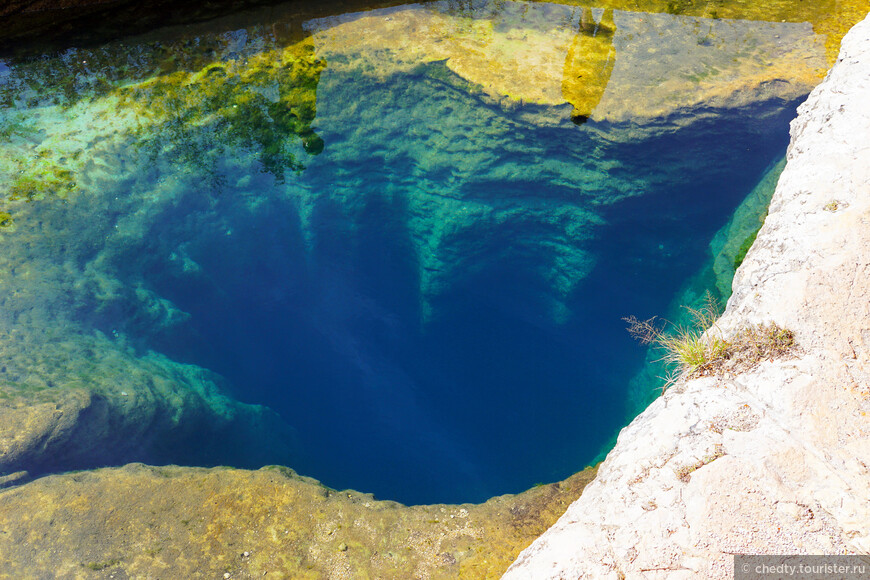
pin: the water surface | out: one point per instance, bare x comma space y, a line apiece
411, 232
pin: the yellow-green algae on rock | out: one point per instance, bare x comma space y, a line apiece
260, 102
551, 54
176, 102
140, 521
830, 18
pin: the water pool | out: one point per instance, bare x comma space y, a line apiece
390, 249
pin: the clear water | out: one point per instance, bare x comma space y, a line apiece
422, 273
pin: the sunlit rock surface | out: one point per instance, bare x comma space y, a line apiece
774, 460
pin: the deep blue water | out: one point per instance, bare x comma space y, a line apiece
433, 304
490, 393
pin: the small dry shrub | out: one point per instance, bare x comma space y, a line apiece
754, 344
700, 348
689, 349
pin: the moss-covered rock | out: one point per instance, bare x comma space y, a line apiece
52, 181
251, 524
262, 103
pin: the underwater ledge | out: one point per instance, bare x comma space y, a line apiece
231, 545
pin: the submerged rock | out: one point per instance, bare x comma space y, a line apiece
138, 520
652, 70
71, 401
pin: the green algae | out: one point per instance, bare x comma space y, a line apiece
730, 245
260, 104
36, 185
97, 566
86, 74
264, 103
744, 248
13, 125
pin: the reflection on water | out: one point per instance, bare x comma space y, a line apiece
410, 232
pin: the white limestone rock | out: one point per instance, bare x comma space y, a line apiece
775, 460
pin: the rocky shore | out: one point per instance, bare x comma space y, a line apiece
773, 460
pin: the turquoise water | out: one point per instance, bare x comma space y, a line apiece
423, 277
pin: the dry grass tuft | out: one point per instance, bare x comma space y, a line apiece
700, 349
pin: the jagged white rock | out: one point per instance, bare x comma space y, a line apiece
785, 447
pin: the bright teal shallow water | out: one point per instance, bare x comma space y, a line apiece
433, 304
